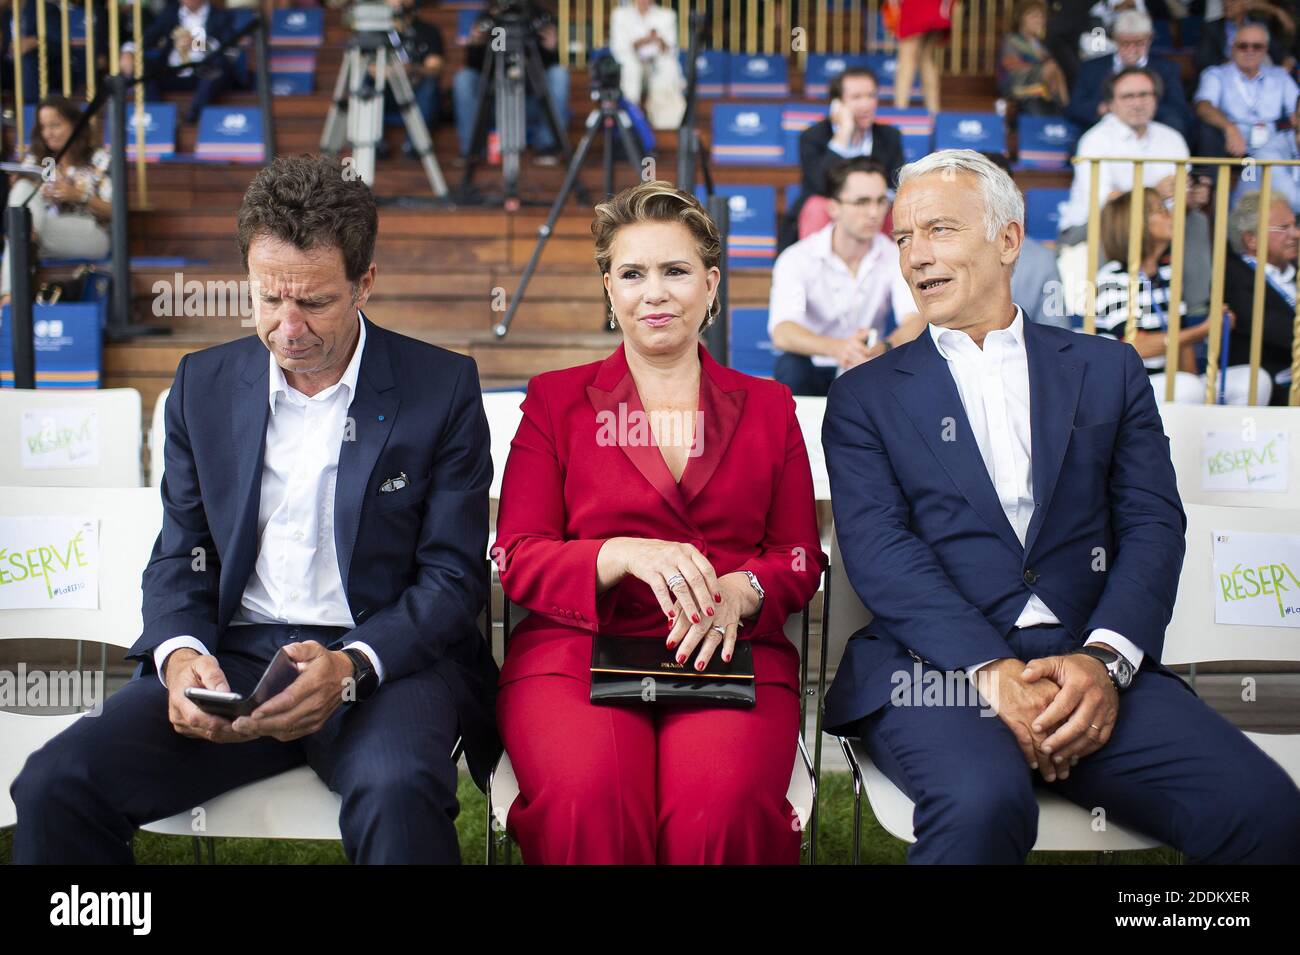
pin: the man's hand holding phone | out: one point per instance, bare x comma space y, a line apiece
303, 707
186, 668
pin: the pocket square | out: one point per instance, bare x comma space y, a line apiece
394, 484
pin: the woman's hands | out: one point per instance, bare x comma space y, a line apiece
682, 579
739, 600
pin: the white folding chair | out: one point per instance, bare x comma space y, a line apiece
129, 519
1194, 637
810, 411
158, 439
503, 415
503, 785
1061, 824
117, 425
1186, 426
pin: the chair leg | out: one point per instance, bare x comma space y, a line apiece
212, 851
198, 850
856, 772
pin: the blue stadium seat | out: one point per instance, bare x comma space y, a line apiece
712, 68
795, 118
751, 233
1045, 142
822, 67
159, 131
753, 74
1043, 214
984, 132
752, 351
230, 134
745, 135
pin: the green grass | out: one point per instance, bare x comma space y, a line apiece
834, 842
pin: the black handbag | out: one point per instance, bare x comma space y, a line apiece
627, 670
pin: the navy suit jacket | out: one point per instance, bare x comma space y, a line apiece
1085, 95
413, 561
925, 541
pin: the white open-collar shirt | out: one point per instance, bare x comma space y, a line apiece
296, 577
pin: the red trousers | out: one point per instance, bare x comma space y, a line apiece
639, 785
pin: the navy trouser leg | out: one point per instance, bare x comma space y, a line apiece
1181, 773
82, 795
973, 792
389, 758
801, 376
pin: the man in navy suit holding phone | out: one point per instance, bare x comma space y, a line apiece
1006, 507
325, 493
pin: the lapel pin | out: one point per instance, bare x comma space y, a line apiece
381, 417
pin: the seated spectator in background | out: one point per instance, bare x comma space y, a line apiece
1127, 129
28, 46
850, 129
70, 216
465, 86
1132, 35
643, 38
188, 31
422, 41
1279, 292
1286, 179
1245, 105
1027, 74
832, 292
1153, 304
1217, 36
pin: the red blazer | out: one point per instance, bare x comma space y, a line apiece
745, 502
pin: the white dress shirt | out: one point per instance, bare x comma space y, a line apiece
628, 24
860, 145
813, 287
1112, 137
993, 383
296, 577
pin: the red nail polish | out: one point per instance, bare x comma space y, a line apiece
671, 614
681, 658
699, 665
695, 618
709, 611
727, 658
717, 598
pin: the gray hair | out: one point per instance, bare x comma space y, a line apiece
1255, 25
1131, 23
1245, 218
1003, 203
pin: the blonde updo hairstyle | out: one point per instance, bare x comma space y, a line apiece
656, 201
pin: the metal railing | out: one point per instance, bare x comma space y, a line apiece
799, 27
1177, 251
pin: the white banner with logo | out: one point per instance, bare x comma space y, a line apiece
49, 563
1231, 463
1255, 579
60, 438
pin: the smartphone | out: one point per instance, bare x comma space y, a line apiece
279, 674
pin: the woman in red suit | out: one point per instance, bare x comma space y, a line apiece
656, 494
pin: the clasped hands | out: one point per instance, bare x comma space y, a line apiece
1060, 709
299, 710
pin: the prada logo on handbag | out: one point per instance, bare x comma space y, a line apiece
394, 484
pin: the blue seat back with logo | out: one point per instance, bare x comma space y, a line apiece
746, 135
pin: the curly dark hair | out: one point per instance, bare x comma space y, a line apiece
311, 202
82, 148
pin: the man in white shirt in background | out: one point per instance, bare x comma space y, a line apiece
643, 39
833, 292
1127, 129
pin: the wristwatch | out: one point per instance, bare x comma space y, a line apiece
363, 675
1120, 670
758, 589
